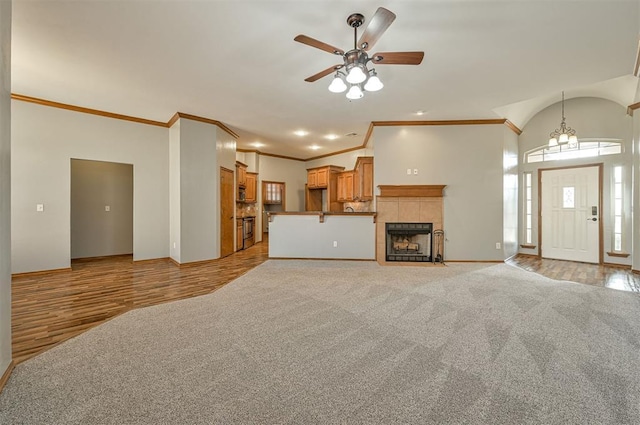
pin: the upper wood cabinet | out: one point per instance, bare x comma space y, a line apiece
320, 177
346, 186
241, 174
251, 187
322, 189
363, 179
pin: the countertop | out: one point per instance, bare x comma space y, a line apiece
322, 214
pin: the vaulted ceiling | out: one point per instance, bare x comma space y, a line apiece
236, 61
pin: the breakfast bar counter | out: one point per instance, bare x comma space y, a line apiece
318, 234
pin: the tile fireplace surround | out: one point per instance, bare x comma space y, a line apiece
407, 204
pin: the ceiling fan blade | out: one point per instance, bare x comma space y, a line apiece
323, 73
398, 58
318, 44
377, 26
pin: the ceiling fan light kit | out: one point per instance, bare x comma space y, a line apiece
358, 77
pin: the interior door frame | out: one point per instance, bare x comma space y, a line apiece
600, 166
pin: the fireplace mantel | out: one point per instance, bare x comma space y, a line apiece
409, 191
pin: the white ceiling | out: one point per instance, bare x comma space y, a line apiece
236, 61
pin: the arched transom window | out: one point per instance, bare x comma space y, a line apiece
586, 148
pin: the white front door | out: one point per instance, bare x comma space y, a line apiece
570, 212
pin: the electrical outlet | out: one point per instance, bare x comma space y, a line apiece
39, 207
497, 245
415, 171
335, 244
408, 171
107, 208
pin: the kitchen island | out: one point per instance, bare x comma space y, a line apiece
328, 235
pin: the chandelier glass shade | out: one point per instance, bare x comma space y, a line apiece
563, 135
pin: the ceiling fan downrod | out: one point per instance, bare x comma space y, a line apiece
354, 21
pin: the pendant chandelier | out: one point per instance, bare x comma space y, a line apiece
563, 135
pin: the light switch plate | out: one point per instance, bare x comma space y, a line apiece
39, 207
408, 171
107, 208
415, 171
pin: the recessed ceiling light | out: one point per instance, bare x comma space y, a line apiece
257, 144
331, 136
314, 147
300, 133
421, 112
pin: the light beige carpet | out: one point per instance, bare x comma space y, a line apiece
303, 342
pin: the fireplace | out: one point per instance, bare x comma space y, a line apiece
410, 242
415, 215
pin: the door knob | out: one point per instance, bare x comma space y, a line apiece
592, 219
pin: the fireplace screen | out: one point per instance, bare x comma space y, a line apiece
409, 242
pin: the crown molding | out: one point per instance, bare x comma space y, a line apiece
293, 158
512, 127
178, 115
83, 110
219, 124
138, 120
355, 148
492, 121
632, 108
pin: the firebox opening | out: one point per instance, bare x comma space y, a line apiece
409, 242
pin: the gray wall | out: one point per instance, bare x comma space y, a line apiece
5, 185
469, 160
197, 151
510, 193
303, 236
346, 160
96, 232
592, 118
199, 179
294, 173
635, 253
174, 192
41, 175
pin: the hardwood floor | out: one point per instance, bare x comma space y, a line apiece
49, 308
592, 274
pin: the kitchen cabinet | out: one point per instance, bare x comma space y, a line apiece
251, 182
239, 234
363, 179
241, 174
320, 177
346, 186
321, 193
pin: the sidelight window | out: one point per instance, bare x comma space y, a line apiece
527, 207
617, 209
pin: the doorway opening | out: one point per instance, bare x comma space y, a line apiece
273, 200
101, 208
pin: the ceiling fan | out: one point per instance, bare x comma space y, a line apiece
355, 60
